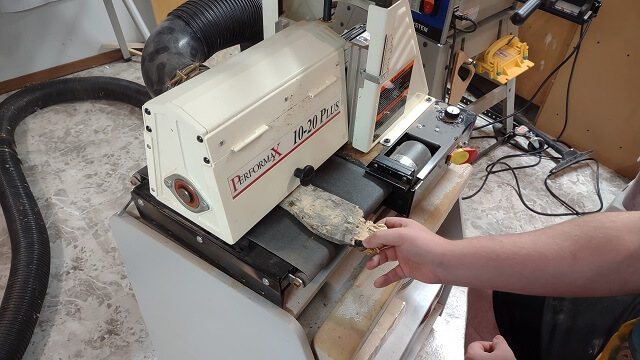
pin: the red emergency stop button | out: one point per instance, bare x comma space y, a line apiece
463, 156
427, 6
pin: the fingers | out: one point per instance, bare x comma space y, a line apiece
382, 237
498, 349
500, 346
392, 276
478, 350
385, 255
395, 222
479, 346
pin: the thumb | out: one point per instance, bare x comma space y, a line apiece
499, 342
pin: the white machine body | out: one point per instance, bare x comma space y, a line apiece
394, 81
222, 148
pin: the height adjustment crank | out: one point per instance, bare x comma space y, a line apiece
304, 174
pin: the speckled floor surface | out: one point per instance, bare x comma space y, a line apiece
79, 158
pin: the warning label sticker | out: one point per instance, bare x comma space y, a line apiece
503, 54
393, 97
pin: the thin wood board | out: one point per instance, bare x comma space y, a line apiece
60, 70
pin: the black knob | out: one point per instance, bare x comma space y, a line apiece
304, 174
452, 112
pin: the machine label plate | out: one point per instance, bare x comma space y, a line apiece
252, 171
393, 96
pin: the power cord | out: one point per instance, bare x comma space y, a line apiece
463, 17
566, 104
490, 170
583, 31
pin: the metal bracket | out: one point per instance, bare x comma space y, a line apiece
296, 281
371, 78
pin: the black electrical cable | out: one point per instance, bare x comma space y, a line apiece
584, 30
538, 154
463, 17
598, 191
489, 169
566, 102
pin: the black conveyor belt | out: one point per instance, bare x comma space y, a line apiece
280, 233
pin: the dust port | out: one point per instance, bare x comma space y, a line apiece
186, 194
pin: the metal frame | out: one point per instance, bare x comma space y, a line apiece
192, 308
117, 28
435, 60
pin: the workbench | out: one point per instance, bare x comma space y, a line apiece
194, 311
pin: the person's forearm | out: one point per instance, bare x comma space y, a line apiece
596, 255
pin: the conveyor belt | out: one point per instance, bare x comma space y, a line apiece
276, 247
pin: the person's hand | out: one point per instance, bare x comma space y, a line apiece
416, 249
498, 349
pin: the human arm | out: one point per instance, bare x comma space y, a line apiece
595, 255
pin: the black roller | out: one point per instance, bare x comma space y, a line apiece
413, 154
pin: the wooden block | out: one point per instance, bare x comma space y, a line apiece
60, 70
433, 208
340, 335
356, 313
387, 322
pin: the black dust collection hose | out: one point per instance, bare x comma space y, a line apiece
191, 34
173, 53
30, 256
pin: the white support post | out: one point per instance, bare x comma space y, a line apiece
269, 17
115, 23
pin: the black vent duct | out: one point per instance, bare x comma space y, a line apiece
191, 34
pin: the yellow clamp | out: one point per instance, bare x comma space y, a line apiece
505, 59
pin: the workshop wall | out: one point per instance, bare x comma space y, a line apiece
548, 37
604, 114
162, 8
60, 32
